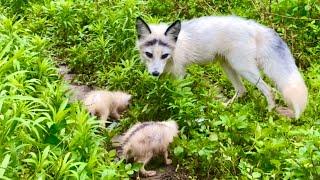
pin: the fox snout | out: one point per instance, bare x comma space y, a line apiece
156, 68
155, 73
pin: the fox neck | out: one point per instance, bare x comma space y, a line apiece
183, 54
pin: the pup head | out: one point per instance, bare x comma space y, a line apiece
174, 129
156, 44
121, 100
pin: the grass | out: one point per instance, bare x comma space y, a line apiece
44, 136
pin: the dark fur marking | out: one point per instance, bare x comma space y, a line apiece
161, 43
151, 43
174, 30
280, 46
140, 23
282, 50
143, 125
155, 41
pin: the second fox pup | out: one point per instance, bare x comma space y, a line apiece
144, 140
104, 103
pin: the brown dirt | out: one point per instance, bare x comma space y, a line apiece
166, 173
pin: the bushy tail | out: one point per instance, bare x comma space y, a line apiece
296, 95
281, 68
291, 85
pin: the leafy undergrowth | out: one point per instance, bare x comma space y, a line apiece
43, 135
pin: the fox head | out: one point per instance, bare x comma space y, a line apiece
156, 44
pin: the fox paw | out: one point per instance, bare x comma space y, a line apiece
285, 111
149, 173
168, 161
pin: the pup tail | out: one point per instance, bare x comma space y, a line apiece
281, 68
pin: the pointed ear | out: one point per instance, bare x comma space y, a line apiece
173, 30
142, 28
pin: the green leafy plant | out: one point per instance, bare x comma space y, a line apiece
44, 135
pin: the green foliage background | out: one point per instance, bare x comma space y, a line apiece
43, 135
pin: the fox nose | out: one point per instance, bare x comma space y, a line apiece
155, 73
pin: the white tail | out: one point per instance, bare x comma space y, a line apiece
296, 95
280, 66
291, 85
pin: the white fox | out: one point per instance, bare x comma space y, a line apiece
243, 47
145, 140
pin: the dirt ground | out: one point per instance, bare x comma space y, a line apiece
167, 173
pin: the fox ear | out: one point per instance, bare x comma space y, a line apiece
173, 30
142, 28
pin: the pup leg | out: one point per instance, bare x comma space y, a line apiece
168, 161
115, 114
145, 160
104, 117
235, 80
92, 112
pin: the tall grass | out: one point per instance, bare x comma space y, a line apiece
43, 135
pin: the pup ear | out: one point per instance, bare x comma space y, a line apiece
173, 30
142, 28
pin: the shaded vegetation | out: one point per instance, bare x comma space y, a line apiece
42, 135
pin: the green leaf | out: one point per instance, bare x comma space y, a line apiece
213, 137
178, 150
4, 164
256, 175
52, 139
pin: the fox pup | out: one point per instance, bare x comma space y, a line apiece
145, 140
107, 104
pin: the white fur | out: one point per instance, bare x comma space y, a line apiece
106, 103
145, 140
245, 47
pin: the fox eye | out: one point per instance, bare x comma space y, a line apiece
164, 56
149, 55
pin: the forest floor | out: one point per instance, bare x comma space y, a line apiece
78, 92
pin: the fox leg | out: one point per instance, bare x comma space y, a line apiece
145, 160
247, 68
235, 80
255, 78
168, 161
